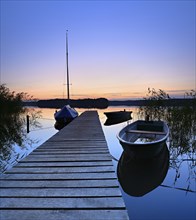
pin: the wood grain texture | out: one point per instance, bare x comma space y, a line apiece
70, 176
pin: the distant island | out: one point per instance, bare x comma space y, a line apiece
102, 103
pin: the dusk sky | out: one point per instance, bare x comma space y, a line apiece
117, 49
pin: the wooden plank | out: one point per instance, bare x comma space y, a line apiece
71, 155
70, 147
60, 192
67, 158
67, 142
69, 151
107, 214
59, 183
59, 176
64, 203
63, 164
73, 143
61, 169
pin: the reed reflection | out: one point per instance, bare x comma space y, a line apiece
182, 123
14, 140
139, 176
181, 119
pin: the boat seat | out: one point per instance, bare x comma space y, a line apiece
145, 132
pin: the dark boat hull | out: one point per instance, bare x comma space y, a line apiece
64, 116
59, 124
118, 115
143, 150
113, 121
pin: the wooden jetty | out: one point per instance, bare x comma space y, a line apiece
70, 176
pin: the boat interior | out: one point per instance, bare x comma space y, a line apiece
145, 131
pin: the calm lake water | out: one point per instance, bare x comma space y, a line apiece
166, 186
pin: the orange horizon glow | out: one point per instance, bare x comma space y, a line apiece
49, 94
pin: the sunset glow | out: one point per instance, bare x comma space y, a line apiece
117, 49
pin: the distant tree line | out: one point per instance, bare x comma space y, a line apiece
79, 103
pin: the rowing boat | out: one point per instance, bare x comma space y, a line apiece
143, 138
114, 115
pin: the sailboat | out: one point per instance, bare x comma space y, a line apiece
67, 113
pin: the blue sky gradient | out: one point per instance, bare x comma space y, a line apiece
117, 49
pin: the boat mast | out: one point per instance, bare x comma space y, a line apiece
68, 97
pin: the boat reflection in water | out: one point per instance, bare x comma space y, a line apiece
139, 176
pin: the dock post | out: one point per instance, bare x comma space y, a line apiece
28, 123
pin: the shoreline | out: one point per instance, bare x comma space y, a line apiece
103, 103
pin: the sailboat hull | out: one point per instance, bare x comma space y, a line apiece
64, 116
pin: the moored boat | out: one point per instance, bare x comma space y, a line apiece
67, 113
118, 114
64, 116
143, 138
116, 120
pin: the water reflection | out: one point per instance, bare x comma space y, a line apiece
13, 135
177, 192
140, 176
113, 121
182, 142
181, 121
182, 139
